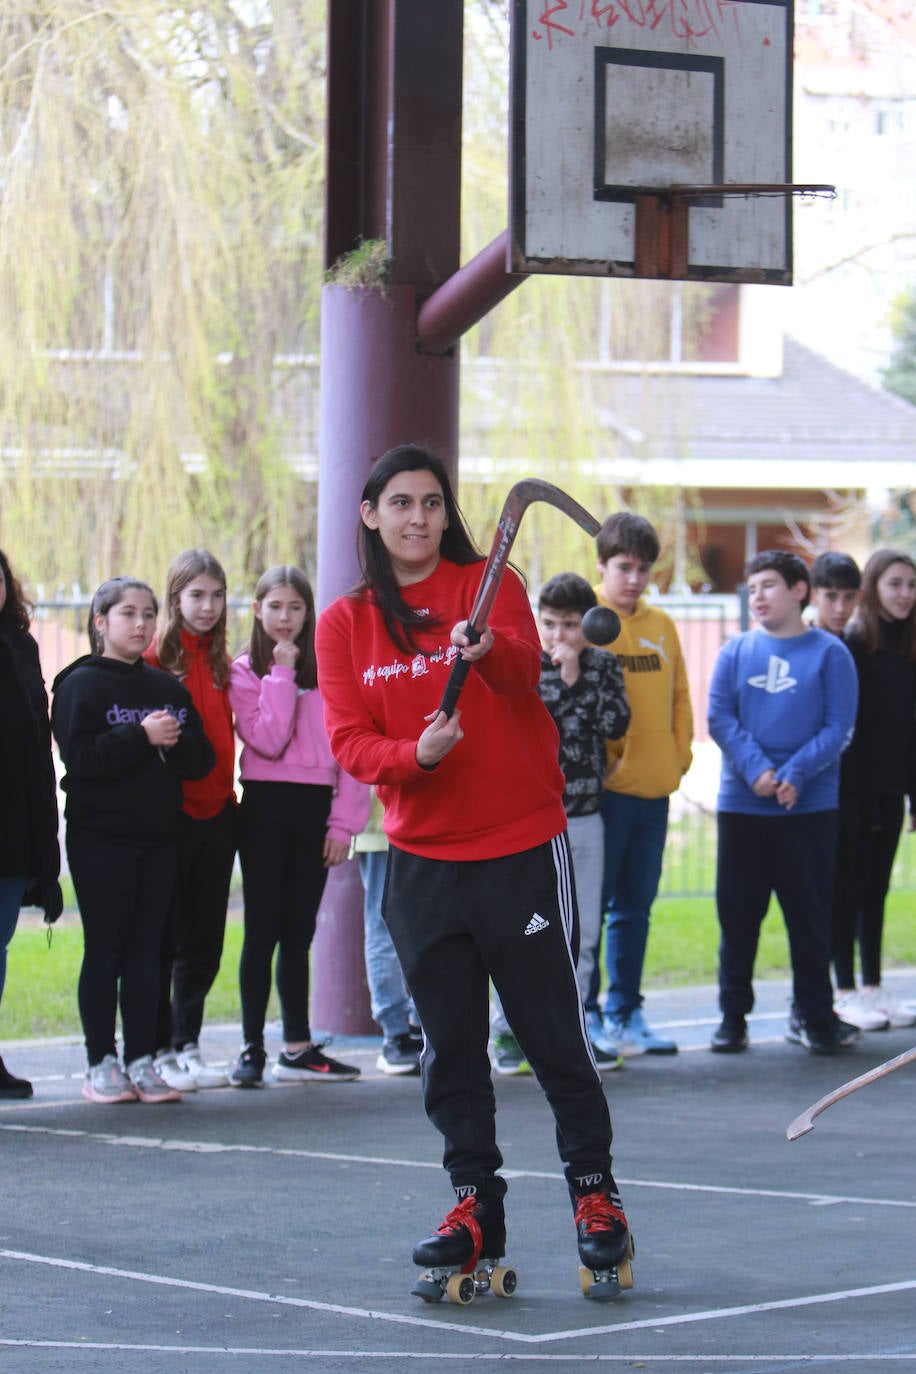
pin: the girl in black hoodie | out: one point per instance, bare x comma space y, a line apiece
882, 766
29, 851
128, 734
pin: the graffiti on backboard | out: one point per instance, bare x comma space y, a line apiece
689, 20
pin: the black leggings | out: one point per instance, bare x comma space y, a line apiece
281, 847
877, 848
192, 943
124, 892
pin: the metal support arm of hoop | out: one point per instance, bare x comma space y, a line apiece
661, 247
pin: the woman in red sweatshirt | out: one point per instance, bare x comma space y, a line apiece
479, 882
192, 647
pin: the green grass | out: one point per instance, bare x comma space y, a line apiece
40, 996
684, 939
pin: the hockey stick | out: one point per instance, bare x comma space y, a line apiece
520, 497
805, 1123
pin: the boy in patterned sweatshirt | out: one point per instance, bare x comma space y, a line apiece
582, 688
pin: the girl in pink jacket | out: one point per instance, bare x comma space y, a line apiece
299, 813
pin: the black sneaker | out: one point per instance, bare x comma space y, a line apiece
606, 1062
730, 1036
11, 1086
248, 1069
400, 1054
310, 1064
829, 1039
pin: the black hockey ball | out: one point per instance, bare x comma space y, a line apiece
601, 625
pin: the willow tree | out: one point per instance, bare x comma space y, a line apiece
160, 209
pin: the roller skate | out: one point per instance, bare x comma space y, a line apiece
462, 1258
606, 1246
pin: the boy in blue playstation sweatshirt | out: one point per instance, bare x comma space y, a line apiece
782, 707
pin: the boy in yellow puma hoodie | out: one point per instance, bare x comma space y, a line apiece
644, 768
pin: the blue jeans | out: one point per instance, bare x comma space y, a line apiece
634, 842
391, 1004
12, 891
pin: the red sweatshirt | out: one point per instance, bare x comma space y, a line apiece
207, 796
500, 790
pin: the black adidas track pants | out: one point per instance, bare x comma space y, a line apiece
455, 925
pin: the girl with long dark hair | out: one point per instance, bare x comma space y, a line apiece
128, 736
479, 882
882, 639
299, 814
191, 645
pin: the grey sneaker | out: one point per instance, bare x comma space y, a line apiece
203, 1075
147, 1083
107, 1082
400, 1055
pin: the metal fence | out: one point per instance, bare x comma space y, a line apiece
703, 622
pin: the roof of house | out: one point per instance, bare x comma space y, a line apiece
813, 414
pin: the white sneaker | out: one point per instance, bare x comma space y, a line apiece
204, 1075
879, 999
168, 1068
855, 1010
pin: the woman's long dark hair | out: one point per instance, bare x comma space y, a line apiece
867, 620
16, 609
378, 576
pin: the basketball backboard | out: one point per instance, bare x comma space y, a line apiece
615, 102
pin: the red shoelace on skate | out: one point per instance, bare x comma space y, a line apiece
463, 1216
597, 1213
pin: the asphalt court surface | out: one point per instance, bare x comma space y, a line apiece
272, 1230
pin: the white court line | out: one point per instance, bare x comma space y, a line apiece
520, 1338
209, 1147
437, 1356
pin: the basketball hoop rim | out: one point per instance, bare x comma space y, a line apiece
744, 188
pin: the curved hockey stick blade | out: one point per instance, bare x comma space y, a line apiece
520, 497
805, 1122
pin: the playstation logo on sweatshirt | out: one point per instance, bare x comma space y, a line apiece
777, 677
536, 924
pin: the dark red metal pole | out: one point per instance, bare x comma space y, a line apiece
393, 173
389, 357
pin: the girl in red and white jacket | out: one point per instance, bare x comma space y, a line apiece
191, 646
299, 814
